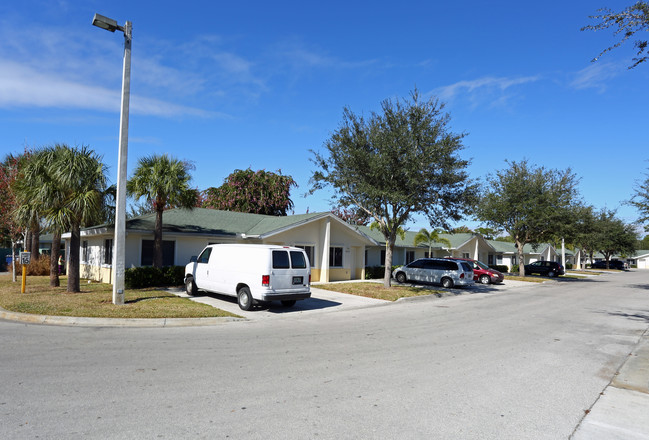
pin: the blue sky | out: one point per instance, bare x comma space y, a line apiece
232, 85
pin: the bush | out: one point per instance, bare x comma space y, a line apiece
148, 276
376, 272
568, 266
515, 268
37, 266
499, 267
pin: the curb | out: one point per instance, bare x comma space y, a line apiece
114, 322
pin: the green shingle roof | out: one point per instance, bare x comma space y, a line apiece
215, 222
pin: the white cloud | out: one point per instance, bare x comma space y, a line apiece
595, 76
24, 86
481, 87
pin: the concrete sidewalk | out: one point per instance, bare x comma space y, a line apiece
622, 410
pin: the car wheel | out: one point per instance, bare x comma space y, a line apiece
447, 282
244, 298
288, 302
484, 279
401, 277
190, 287
552, 274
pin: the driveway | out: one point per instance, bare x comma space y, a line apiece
321, 301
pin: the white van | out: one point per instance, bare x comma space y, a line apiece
251, 272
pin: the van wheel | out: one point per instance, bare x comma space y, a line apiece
244, 298
484, 279
190, 287
288, 302
401, 277
447, 282
551, 274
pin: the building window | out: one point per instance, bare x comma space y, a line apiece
383, 257
490, 259
310, 252
410, 256
335, 256
108, 251
465, 255
499, 259
84, 251
168, 250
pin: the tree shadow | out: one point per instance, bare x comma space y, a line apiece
642, 316
133, 301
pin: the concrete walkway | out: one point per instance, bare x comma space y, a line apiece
622, 410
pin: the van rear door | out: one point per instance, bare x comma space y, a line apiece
290, 270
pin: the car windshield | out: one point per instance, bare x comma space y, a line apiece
481, 265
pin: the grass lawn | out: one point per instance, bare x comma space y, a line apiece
377, 291
96, 300
393, 293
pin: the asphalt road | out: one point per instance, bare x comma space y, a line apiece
523, 363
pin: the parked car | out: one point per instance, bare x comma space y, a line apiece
442, 271
549, 268
483, 273
251, 272
613, 264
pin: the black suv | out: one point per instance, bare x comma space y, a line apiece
549, 268
613, 264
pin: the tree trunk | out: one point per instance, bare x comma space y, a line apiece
521, 259
157, 239
54, 259
389, 248
36, 232
74, 284
27, 245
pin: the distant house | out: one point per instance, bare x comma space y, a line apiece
337, 250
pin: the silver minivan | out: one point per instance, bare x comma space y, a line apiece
442, 271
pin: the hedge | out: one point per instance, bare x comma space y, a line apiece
149, 276
499, 267
376, 272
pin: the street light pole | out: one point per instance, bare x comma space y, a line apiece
119, 245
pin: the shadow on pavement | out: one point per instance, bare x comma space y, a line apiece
641, 316
276, 306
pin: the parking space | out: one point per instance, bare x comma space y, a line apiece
321, 301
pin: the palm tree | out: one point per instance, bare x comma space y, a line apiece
430, 238
164, 182
67, 187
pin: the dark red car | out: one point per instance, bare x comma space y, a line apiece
483, 273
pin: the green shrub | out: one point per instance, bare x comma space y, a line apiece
568, 266
149, 276
499, 267
376, 272
515, 268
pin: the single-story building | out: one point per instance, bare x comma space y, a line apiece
336, 249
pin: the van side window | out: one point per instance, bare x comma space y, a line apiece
204, 257
297, 260
417, 264
448, 265
280, 260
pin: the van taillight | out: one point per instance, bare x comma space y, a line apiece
309, 279
265, 280
462, 275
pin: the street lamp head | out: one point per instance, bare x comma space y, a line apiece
105, 23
